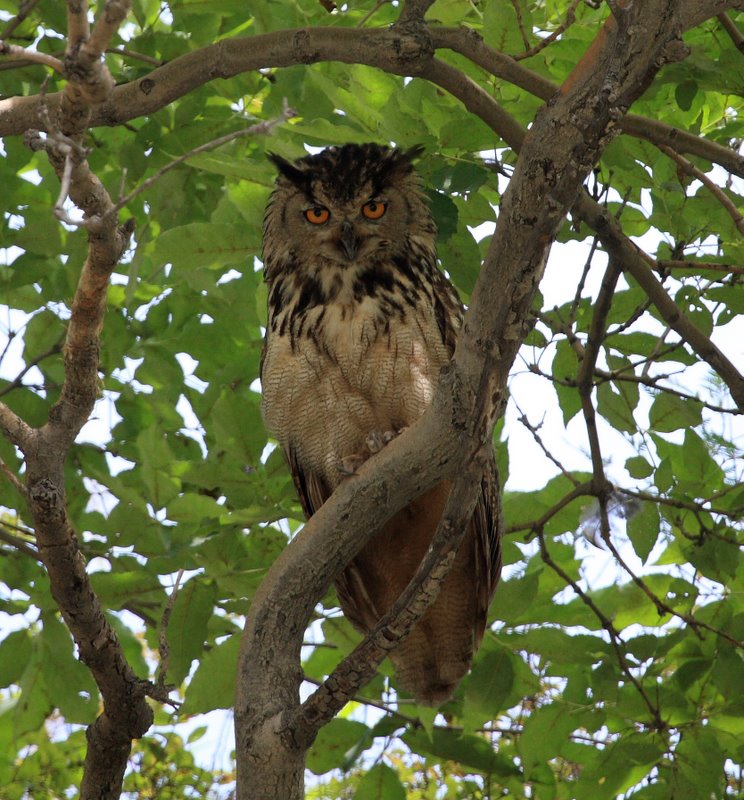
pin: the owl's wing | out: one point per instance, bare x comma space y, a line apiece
486, 521
487, 533
311, 488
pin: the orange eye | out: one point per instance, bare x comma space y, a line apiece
374, 209
317, 215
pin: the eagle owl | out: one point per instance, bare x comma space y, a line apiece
361, 321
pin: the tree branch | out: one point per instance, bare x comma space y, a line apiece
9, 538
734, 33
634, 262
469, 44
616, 641
26, 7
16, 53
14, 428
395, 51
423, 589
126, 714
716, 191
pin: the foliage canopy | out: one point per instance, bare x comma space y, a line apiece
585, 687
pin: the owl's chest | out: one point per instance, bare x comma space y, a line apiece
352, 371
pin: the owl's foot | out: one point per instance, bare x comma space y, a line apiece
374, 442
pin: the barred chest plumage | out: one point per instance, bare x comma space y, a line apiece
350, 351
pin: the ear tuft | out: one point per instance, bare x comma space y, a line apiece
287, 169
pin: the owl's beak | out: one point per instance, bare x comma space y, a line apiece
348, 240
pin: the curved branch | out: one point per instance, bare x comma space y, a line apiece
401, 51
423, 589
393, 50
469, 44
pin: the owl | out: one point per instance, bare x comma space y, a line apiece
360, 323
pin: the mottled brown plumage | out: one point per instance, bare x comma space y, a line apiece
361, 321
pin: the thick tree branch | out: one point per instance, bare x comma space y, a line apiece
423, 589
126, 714
598, 219
396, 51
14, 52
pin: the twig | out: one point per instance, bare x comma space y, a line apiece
688, 505
582, 280
548, 40
12, 477
126, 53
615, 639
366, 18
163, 646
662, 608
18, 380
533, 429
730, 269
581, 490
732, 31
259, 129
716, 191
26, 8
16, 53
520, 24
24, 547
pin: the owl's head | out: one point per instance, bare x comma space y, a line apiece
349, 205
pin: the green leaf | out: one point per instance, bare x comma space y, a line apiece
202, 244
213, 684
685, 93
187, 627
380, 783
333, 744
670, 412
643, 530
67, 680
473, 752
638, 467
489, 685
15, 653
614, 407
544, 735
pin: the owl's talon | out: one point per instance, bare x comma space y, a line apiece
375, 442
349, 465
